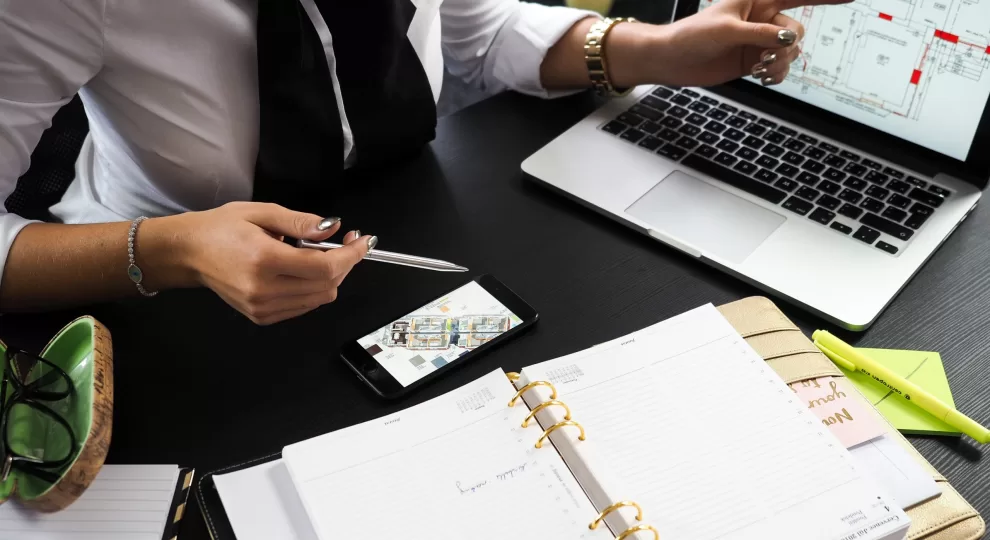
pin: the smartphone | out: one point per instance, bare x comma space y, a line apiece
412, 350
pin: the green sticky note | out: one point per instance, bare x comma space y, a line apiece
920, 367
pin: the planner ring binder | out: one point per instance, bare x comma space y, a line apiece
524, 389
614, 507
558, 425
638, 528
513, 376
545, 404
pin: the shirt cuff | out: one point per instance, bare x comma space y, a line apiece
10, 226
524, 41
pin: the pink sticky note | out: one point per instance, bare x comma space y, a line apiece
839, 409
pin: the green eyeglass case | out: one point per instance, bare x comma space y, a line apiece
84, 350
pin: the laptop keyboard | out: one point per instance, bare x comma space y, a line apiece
860, 198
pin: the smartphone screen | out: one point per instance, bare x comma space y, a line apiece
438, 334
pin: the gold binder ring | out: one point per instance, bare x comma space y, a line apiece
638, 528
553, 391
614, 507
513, 376
544, 405
539, 443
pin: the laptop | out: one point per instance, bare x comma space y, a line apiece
828, 191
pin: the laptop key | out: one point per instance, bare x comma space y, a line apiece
708, 137
828, 147
919, 208
793, 159
766, 176
871, 205
871, 164
785, 169
787, 131
926, 197
650, 127
651, 143
833, 160
834, 175
736, 122
708, 100
830, 202
753, 142
807, 193
775, 137
807, 139
807, 178
656, 103
646, 112
715, 127
813, 166
822, 216
941, 191
850, 196
894, 214
886, 226
689, 130
915, 221
798, 206
748, 116
747, 153
668, 134
877, 192
814, 153
670, 151
899, 201
842, 228
755, 129
691, 93
734, 134
632, 135
745, 167
773, 150
728, 108
855, 183
887, 247
915, 181
614, 127
662, 92
680, 99
699, 107
766, 123
866, 234
727, 145
829, 187
717, 114
678, 112
767, 161
671, 122
786, 184
735, 179
687, 142
849, 155
794, 144
630, 119
900, 187
726, 159
706, 151
877, 178
696, 119
890, 171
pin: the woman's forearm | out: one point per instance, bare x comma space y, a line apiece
52, 265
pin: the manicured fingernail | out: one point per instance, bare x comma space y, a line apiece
767, 81
759, 71
786, 37
769, 58
357, 234
327, 223
372, 242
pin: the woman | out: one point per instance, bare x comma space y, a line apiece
220, 119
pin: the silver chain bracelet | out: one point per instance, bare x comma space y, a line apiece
133, 271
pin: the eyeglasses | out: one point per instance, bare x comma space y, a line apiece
35, 439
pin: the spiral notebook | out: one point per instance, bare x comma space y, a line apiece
679, 431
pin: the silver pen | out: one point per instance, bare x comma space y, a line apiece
390, 257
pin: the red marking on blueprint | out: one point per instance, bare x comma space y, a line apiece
951, 38
915, 77
886, 17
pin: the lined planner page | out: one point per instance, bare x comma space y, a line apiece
458, 466
124, 502
687, 420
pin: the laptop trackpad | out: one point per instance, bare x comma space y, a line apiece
705, 217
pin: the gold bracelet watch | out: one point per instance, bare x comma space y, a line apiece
594, 56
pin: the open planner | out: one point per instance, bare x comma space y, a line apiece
679, 431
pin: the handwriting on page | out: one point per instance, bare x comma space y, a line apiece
468, 488
844, 415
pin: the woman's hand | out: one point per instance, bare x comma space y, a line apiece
236, 250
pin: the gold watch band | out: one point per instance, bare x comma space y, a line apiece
595, 57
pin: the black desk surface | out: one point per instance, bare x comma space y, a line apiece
199, 385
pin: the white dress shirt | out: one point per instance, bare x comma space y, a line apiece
170, 89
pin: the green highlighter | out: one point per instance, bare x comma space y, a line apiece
848, 357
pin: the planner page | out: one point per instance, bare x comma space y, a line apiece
124, 502
686, 420
457, 466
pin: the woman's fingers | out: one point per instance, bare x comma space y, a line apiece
781, 31
774, 65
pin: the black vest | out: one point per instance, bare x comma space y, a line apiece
386, 94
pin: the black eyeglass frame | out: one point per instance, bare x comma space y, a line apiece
30, 395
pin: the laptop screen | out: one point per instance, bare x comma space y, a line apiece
918, 71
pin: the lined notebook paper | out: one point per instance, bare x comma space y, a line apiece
124, 502
458, 466
688, 421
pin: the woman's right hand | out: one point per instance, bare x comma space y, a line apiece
237, 251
